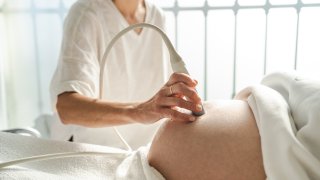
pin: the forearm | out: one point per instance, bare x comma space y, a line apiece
74, 108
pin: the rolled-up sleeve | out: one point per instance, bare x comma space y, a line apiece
78, 66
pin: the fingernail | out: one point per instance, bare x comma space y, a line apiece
199, 107
196, 81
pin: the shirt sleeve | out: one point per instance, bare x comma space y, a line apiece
78, 67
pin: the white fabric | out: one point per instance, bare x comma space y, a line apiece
136, 68
287, 111
134, 166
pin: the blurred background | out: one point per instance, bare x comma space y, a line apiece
227, 45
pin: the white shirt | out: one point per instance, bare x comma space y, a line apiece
137, 67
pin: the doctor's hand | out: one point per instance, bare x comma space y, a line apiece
179, 92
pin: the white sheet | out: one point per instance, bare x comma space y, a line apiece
117, 167
287, 111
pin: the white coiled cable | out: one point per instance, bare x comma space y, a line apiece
177, 66
176, 62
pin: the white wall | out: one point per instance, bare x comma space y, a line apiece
3, 115
3, 111
30, 39
30, 36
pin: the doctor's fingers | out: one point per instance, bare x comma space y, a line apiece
181, 77
183, 90
179, 102
176, 115
180, 89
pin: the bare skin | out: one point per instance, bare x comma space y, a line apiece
134, 11
222, 144
74, 108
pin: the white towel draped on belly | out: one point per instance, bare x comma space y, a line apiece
134, 166
287, 111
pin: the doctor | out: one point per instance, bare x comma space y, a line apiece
138, 86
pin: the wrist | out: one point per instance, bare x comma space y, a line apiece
142, 113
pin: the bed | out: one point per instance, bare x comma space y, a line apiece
286, 107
